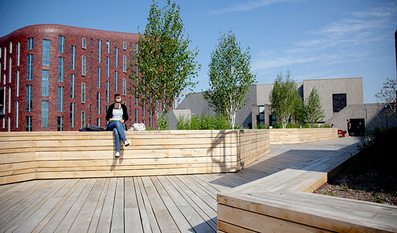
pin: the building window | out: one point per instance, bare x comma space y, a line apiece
143, 108
30, 43
116, 57
91, 42
99, 50
44, 113
83, 43
46, 52
136, 97
17, 115
107, 66
60, 99
136, 74
72, 115
107, 46
2, 101
83, 65
10, 47
9, 100
18, 53
72, 86
29, 124
124, 45
29, 98
136, 115
10, 71
338, 102
124, 64
98, 103
30, 67
90, 114
17, 83
136, 48
91, 63
124, 86
116, 80
90, 89
98, 77
150, 119
83, 93
45, 84
82, 119
107, 92
98, 121
61, 44
60, 123
61, 63
73, 57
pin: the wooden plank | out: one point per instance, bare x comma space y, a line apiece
163, 217
182, 224
72, 214
31, 206
227, 227
149, 223
98, 208
188, 211
118, 208
132, 218
68, 190
84, 217
260, 223
198, 190
15, 207
107, 209
40, 215
206, 213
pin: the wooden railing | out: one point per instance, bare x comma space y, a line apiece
48, 155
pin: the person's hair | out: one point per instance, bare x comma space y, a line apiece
116, 95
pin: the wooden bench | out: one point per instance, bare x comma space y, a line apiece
51, 155
301, 135
283, 202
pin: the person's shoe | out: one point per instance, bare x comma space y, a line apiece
126, 143
117, 155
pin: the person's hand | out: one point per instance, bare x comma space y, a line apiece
111, 119
122, 121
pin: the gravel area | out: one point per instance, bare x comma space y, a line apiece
370, 184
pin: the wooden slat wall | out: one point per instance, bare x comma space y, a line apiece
301, 135
48, 155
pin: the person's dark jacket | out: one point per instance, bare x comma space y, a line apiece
109, 114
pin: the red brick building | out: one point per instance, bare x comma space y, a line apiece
55, 77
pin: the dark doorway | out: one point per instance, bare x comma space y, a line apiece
358, 127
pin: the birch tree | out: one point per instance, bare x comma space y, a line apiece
229, 77
163, 66
314, 107
284, 98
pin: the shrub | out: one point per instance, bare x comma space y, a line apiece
162, 122
206, 122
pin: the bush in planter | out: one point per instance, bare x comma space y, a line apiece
206, 122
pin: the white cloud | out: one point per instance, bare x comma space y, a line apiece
248, 6
338, 42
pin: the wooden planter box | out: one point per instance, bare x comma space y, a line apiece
48, 155
301, 135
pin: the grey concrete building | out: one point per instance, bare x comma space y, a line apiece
341, 99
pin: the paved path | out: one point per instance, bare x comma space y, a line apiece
181, 203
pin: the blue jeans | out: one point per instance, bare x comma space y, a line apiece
119, 132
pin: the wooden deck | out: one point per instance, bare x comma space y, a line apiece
175, 203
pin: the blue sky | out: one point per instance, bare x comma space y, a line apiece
314, 39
